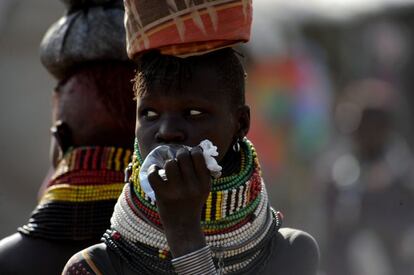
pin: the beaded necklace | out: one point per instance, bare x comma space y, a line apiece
238, 223
79, 199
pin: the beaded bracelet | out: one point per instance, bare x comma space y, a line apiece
194, 263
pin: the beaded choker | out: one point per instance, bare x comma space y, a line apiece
80, 196
237, 221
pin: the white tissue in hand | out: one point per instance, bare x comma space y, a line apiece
157, 156
162, 153
210, 151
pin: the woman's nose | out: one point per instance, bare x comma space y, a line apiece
170, 130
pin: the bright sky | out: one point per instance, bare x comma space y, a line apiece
329, 8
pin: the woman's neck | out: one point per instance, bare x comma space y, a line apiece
230, 163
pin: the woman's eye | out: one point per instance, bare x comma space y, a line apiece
148, 114
151, 114
195, 112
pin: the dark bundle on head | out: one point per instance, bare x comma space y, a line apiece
170, 71
91, 30
82, 4
85, 2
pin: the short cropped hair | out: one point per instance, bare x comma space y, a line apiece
172, 71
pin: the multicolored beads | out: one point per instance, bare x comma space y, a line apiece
230, 196
237, 221
79, 199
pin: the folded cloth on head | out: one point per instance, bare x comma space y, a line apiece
91, 30
185, 27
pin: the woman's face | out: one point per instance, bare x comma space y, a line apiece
198, 110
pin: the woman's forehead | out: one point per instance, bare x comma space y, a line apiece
190, 94
196, 80
209, 88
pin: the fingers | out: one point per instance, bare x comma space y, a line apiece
155, 180
200, 168
192, 165
185, 164
172, 170
198, 161
187, 176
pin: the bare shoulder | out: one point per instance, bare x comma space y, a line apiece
9, 247
96, 259
39, 256
300, 241
295, 253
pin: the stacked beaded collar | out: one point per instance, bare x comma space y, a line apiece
80, 195
237, 221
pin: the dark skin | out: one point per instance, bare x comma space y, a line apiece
79, 119
188, 117
185, 117
188, 114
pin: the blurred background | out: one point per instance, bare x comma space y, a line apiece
25, 107
330, 86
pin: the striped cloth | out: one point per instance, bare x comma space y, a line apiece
186, 27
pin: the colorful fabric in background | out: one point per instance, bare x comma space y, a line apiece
289, 97
81, 195
186, 27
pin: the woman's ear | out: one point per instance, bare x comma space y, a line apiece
63, 135
244, 121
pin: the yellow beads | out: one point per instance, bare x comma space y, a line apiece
218, 205
117, 159
162, 254
127, 158
111, 153
82, 193
208, 208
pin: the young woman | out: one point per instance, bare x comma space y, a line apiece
196, 225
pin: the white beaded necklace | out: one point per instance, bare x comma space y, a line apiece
134, 229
